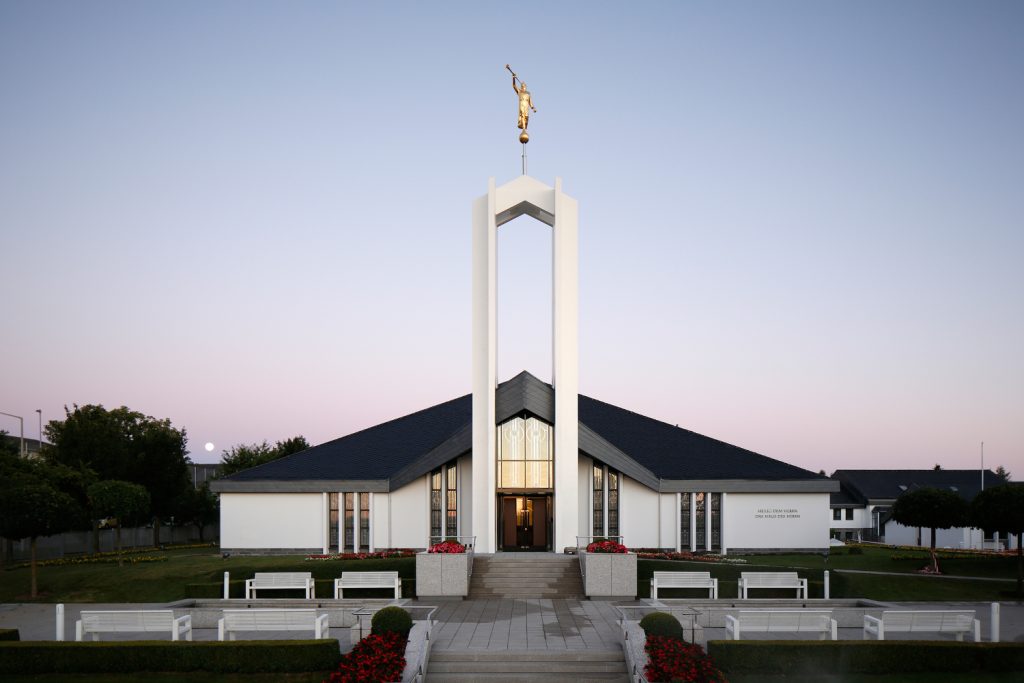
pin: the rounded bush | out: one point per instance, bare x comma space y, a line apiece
662, 624
392, 620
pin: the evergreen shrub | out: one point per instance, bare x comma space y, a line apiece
391, 620
662, 624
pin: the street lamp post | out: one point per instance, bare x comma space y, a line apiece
40, 411
22, 421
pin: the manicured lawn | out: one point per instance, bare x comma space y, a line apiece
191, 573
910, 587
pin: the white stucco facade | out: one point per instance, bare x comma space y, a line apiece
771, 521
272, 521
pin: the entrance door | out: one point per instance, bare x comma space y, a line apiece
525, 522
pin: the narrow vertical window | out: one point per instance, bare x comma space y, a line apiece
348, 534
452, 502
598, 501
701, 514
435, 506
716, 521
684, 521
364, 521
613, 503
332, 543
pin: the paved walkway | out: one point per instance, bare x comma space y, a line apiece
529, 624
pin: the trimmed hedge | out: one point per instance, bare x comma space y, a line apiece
863, 657
9, 634
391, 620
281, 656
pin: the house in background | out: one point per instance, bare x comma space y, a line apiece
860, 509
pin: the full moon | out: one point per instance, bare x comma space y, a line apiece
209, 446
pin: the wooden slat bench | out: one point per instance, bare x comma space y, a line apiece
367, 580
782, 621
684, 580
271, 620
750, 580
957, 622
280, 581
133, 621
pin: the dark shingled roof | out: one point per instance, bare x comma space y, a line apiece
889, 484
379, 452
675, 453
374, 453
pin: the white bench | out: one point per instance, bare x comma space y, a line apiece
367, 580
684, 580
271, 620
958, 622
782, 621
280, 581
133, 621
750, 580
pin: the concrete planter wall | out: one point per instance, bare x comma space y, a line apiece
609, 575
443, 574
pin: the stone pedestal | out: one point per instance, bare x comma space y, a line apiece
443, 574
609, 575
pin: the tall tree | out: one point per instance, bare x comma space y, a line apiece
244, 456
122, 500
930, 508
30, 508
1001, 508
125, 445
1003, 474
198, 507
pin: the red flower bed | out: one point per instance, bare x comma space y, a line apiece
453, 547
375, 658
607, 547
671, 659
382, 555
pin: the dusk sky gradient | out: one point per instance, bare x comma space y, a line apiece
801, 223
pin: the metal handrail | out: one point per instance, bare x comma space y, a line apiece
579, 544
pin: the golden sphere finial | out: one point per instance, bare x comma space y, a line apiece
524, 137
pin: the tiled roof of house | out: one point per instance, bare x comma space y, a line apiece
889, 484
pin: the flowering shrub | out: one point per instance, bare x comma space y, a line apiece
375, 658
382, 555
453, 547
99, 558
607, 547
645, 554
671, 659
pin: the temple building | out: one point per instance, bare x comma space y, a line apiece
523, 464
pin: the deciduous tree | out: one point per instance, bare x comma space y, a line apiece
122, 500
30, 508
1001, 508
244, 456
125, 445
930, 508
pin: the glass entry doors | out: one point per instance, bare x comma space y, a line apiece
525, 522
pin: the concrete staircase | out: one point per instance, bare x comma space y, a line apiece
526, 575
522, 666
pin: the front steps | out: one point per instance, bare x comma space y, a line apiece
526, 575
522, 666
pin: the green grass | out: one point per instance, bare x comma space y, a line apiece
191, 573
931, 677
910, 586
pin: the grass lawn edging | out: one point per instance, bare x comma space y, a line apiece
863, 657
283, 656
